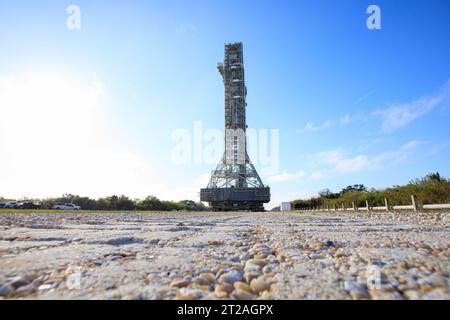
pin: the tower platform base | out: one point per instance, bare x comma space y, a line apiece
236, 199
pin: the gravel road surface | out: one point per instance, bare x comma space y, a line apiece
225, 256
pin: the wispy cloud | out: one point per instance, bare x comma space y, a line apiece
283, 177
338, 161
398, 116
347, 119
392, 117
311, 127
364, 97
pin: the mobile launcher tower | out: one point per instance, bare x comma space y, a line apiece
235, 185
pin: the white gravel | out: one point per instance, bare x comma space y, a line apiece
225, 255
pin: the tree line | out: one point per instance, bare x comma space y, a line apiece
120, 203
431, 189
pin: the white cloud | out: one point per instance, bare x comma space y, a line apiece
347, 119
398, 116
394, 157
393, 117
340, 162
337, 161
283, 177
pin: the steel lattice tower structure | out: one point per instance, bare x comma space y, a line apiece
235, 184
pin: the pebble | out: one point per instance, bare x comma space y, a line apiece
180, 283
258, 262
242, 295
6, 290
188, 294
437, 294
329, 243
252, 268
412, 294
215, 242
73, 281
25, 290
208, 276
19, 281
245, 256
223, 290
231, 277
234, 259
249, 276
45, 287
385, 295
270, 268
434, 280
242, 286
356, 290
339, 253
258, 285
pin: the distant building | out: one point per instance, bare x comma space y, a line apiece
285, 206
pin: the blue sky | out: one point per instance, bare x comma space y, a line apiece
352, 105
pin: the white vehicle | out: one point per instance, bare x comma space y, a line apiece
66, 206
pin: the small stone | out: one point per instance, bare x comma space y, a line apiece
245, 256
242, 295
215, 242
231, 277
412, 294
249, 276
208, 276
258, 285
258, 262
18, 282
180, 283
339, 253
24, 291
6, 290
437, 294
329, 243
242, 286
234, 259
435, 280
385, 295
263, 249
188, 294
73, 281
356, 290
223, 290
45, 287
252, 268
270, 268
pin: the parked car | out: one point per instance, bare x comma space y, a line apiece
28, 205
2, 204
11, 205
66, 206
